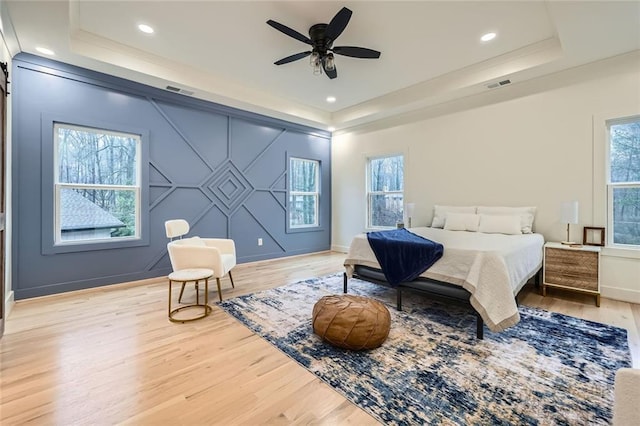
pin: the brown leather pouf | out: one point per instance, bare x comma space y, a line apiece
351, 322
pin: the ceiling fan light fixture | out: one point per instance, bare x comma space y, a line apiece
321, 39
329, 62
314, 59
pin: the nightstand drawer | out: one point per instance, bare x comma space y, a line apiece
583, 282
572, 268
571, 260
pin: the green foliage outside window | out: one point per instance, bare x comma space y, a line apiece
625, 182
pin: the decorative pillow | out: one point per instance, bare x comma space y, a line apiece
497, 224
527, 215
440, 213
462, 222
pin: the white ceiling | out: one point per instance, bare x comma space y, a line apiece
224, 51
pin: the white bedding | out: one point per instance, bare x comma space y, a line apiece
492, 267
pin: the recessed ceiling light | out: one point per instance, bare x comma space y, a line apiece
331, 129
145, 28
331, 99
488, 37
45, 51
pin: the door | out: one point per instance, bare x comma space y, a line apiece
3, 125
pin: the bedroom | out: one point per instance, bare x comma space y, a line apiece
529, 143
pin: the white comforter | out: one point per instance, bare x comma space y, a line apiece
492, 267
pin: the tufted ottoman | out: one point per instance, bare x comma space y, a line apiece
351, 322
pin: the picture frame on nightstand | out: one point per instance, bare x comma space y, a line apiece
593, 236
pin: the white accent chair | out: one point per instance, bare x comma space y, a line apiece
626, 406
218, 254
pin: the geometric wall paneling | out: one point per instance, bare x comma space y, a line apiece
156, 176
278, 190
267, 168
212, 223
281, 198
174, 155
223, 170
261, 205
186, 202
281, 182
245, 231
248, 141
230, 187
203, 131
157, 193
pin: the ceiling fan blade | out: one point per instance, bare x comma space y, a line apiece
356, 52
330, 73
288, 31
338, 24
292, 58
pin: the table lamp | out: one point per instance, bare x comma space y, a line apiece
409, 211
569, 215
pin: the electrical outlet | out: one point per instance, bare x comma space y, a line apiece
259, 241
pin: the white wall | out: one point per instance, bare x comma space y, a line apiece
534, 149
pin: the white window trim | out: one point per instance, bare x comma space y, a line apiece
370, 193
315, 194
600, 147
58, 186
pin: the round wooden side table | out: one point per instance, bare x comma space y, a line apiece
191, 275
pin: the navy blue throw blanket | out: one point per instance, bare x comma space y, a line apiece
403, 255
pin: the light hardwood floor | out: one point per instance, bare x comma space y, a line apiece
110, 356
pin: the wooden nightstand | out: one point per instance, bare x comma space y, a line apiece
572, 268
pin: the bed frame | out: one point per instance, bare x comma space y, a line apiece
439, 290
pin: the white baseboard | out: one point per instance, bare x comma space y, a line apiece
8, 304
340, 249
622, 294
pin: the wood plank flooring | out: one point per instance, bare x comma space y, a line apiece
110, 356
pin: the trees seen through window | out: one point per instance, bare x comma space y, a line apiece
624, 182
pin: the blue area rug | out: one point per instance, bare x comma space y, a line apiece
548, 369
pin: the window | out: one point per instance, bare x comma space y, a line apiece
385, 191
304, 193
97, 175
623, 186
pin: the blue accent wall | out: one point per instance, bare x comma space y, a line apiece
222, 169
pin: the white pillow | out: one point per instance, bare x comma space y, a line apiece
497, 224
462, 222
440, 213
527, 215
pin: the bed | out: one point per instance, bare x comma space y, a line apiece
484, 270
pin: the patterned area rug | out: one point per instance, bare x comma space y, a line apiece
549, 369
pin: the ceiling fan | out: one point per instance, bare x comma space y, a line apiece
321, 38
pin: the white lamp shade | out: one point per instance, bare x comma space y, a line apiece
569, 212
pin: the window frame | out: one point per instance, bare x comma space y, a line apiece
50, 243
370, 193
611, 186
315, 194
59, 186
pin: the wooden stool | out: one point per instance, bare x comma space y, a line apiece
187, 275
